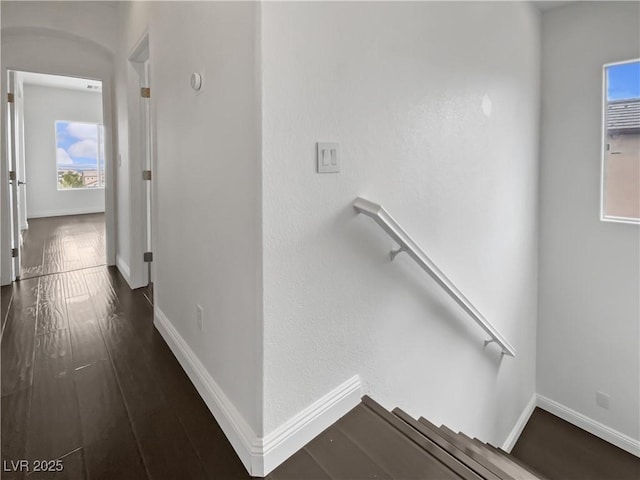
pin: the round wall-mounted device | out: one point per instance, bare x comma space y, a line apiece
196, 81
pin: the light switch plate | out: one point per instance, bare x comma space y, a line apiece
328, 156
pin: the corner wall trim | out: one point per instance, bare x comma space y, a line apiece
596, 428
511, 440
292, 435
259, 455
123, 267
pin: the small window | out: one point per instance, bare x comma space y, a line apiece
79, 155
621, 156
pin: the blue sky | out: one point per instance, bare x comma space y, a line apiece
77, 145
623, 81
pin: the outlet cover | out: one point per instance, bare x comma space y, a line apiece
603, 400
200, 317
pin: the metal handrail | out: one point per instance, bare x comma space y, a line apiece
409, 246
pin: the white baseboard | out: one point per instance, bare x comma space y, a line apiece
292, 435
516, 431
235, 427
596, 428
123, 267
259, 455
66, 211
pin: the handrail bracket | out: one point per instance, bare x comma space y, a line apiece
395, 252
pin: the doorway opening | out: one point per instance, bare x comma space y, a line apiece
58, 173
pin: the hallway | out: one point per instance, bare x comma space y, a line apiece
87, 379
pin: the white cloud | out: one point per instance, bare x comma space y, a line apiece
84, 148
63, 157
83, 131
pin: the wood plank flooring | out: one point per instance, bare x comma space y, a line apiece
560, 451
61, 244
87, 379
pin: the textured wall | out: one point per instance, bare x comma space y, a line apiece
589, 320
435, 106
207, 174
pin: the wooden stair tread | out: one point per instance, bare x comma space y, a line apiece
341, 458
300, 465
515, 470
517, 461
458, 468
471, 451
393, 451
446, 445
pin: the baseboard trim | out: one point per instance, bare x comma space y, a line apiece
292, 435
123, 267
596, 428
259, 455
66, 211
233, 424
517, 429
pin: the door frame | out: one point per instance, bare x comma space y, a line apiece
142, 148
8, 273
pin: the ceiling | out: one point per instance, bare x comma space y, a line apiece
57, 81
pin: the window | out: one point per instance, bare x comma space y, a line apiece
620, 199
79, 155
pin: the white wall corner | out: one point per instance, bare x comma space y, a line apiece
517, 429
259, 455
123, 267
607, 434
295, 433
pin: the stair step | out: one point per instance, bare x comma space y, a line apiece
512, 468
517, 461
467, 448
427, 445
340, 457
447, 446
390, 449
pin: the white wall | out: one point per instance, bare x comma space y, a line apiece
97, 20
401, 87
130, 237
588, 330
43, 107
207, 172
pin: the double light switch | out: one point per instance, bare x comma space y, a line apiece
328, 157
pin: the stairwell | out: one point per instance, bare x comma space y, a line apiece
370, 442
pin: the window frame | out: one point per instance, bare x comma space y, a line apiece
75, 189
603, 148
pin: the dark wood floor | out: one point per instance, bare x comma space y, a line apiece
560, 450
87, 379
62, 244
